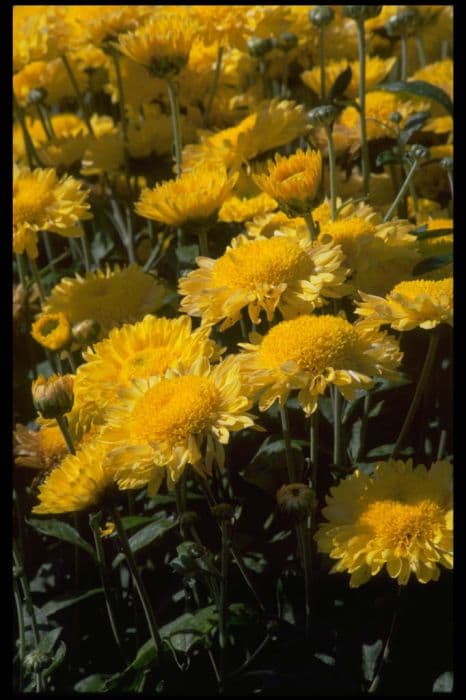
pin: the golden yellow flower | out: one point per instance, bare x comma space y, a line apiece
53, 397
52, 331
49, 76
311, 352
439, 246
439, 125
138, 351
162, 44
400, 518
226, 24
439, 73
39, 449
110, 297
377, 70
41, 35
105, 150
102, 24
68, 144
274, 124
42, 202
162, 424
379, 254
419, 303
139, 87
78, 483
293, 181
262, 274
192, 199
379, 106
245, 208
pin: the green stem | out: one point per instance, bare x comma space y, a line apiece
314, 446
386, 649
22, 637
130, 237
404, 57
175, 112
63, 425
49, 251
364, 421
292, 475
43, 121
284, 88
420, 51
86, 252
322, 63
21, 270
144, 598
311, 226
304, 540
78, 94
94, 523
402, 192
36, 275
203, 243
121, 94
362, 105
70, 358
420, 388
450, 180
441, 444
337, 410
28, 142
222, 606
332, 168
213, 87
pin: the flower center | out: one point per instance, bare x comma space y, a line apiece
396, 524
173, 409
435, 289
30, 200
148, 363
313, 342
265, 262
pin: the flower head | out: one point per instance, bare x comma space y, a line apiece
162, 44
162, 424
53, 397
281, 271
139, 351
245, 208
293, 181
110, 297
78, 483
39, 449
417, 303
376, 70
401, 518
42, 202
52, 331
311, 352
192, 199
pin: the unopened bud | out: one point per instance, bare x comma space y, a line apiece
287, 41
447, 163
53, 397
321, 15
361, 13
36, 661
296, 500
37, 96
324, 115
52, 331
395, 117
404, 22
86, 332
418, 152
259, 47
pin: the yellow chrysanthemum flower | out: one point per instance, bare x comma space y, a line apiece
439, 125
110, 297
241, 209
105, 150
52, 331
68, 144
49, 76
138, 351
377, 70
379, 254
293, 182
400, 518
419, 303
102, 24
436, 247
273, 125
162, 424
282, 271
42, 202
225, 24
439, 73
78, 483
162, 44
41, 35
139, 87
379, 106
192, 199
311, 352
41, 449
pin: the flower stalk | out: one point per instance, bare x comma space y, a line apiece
176, 126
213, 86
362, 106
78, 93
402, 192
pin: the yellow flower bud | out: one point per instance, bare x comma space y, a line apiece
53, 397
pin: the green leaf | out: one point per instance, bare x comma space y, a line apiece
413, 123
444, 683
101, 245
146, 536
49, 639
187, 254
58, 659
54, 606
386, 451
267, 469
92, 684
420, 88
423, 232
131, 521
62, 531
370, 657
341, 83
355, 440
433, 263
